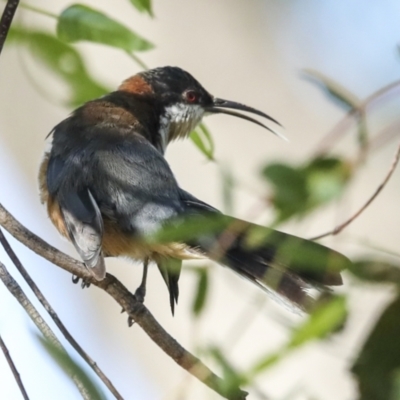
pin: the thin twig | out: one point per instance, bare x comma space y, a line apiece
55, 317
135, 310
13, 369
339, 129
41, 324
343, 225
6, 19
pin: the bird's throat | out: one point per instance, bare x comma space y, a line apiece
178, 121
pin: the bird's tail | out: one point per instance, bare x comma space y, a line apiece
286, 266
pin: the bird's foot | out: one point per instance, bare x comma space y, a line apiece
140, 293
85, 283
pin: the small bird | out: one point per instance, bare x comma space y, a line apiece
108, 187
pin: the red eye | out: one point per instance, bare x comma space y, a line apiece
191, 96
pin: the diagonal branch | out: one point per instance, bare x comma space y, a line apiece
135, 310
13, 369
55, 317
40, 323
6, 19
344, 224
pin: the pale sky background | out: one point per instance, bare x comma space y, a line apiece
252, 52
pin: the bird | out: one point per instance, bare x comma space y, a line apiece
108, 188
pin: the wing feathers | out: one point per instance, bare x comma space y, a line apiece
85, 228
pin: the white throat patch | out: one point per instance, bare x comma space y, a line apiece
178, 121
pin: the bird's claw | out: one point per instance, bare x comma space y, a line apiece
85, 283
140, 294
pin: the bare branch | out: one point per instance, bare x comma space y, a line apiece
6, 19
13, 369
343, 225
339, 130
55, 317
135, 310
41, 324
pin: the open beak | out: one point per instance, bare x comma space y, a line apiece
221, 106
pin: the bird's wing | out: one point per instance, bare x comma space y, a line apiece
81, 215
194, 205
134, 186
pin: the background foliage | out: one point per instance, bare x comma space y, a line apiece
293, 190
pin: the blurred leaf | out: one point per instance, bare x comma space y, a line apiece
362, 136
395, 393
267, 362
71, 368
201, 292
336, 91
232, 380
63, 60
203, 140
378, 364
143, 6
79, 22
324, 320
290, 189
326, 178
298, 190
376, 271
228, 183
220, 231
186, 229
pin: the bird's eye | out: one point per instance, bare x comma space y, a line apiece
191, 96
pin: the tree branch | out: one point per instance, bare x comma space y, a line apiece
343, 225
41, 324
6, 19
55, 317
13, 369
339, 130
135, 310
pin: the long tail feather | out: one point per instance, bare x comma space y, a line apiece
286, 266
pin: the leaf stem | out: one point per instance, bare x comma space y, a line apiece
38, 10
137, 60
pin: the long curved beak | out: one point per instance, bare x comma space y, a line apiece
221, 106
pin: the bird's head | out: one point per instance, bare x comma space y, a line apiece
184, 101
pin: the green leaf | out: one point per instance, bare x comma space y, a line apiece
327, 318
71, 368
378, 364
232, 380
61, 59
336, 91
324, 320
326, 178
228, 183
376, 271
186, 229
203, 140
266, 363
201, 292
290, 189
143, 6
219, 232
299, 190
79, 22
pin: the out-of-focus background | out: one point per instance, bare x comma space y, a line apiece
252, 52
